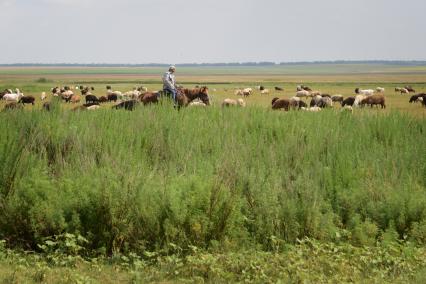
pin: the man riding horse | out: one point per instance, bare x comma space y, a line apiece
169, 83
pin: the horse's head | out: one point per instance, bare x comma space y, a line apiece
203, 95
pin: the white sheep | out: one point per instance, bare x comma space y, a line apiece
380, 90
404, 91
93, 107
13, 97
347, 108
264, 92
43, 96
238, 92
232, 102
302, 94
367, 92
358, 99
312, 109
197, 103
247, 92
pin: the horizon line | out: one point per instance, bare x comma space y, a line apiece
249, 63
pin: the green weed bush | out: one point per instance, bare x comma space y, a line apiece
231, 178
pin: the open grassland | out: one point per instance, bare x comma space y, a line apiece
222, 81
216, 195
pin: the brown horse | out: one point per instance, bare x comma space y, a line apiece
185, 96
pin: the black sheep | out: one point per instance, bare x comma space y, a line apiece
112, 97
348, 101
91, 99
27, 100
415, 98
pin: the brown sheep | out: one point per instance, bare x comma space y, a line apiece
410, 89
278, 103
103, 99
374, 100
75, 99
149, 98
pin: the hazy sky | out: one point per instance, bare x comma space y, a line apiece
178, 31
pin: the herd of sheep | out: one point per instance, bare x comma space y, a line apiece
128, 100
320, 100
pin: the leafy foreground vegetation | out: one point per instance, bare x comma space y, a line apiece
308, 261
213, 194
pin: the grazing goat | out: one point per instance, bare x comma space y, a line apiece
279, 89
43, 96
264, 92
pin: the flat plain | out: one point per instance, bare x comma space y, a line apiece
212, 194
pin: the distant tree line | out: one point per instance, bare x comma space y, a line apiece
223, 64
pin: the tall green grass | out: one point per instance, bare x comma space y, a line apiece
211, 178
